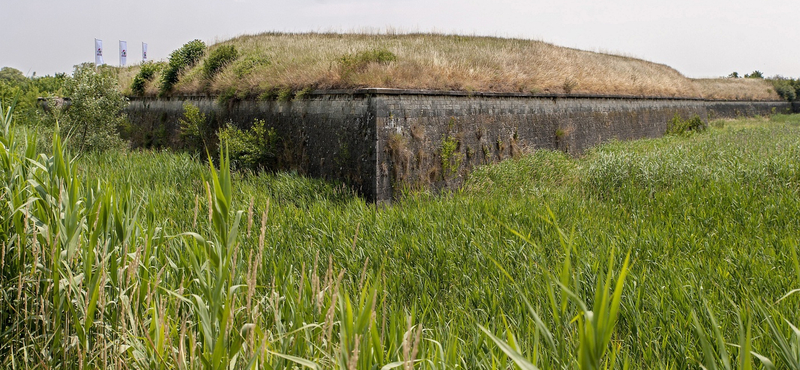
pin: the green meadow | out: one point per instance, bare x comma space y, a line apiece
675, 253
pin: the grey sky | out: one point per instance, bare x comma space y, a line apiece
700, 38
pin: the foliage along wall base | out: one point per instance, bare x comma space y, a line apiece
382, 141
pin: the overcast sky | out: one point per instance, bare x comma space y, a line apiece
700, 38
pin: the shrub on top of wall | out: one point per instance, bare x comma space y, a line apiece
189, 54
353, 63
146, 74
786, 91
218, 59
787, 88
250, 63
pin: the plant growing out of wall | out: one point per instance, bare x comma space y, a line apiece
193, 128
285, 94
680, 127
451, 158
218, 59
188, 55
397, 146
303, 93
562, 136
253, 149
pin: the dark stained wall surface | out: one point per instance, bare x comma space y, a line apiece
379, 140
326, 136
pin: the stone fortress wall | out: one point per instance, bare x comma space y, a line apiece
379, 141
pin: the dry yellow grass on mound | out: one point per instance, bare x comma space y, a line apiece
736, 89
275, 61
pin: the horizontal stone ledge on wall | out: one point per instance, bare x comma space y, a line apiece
423, 92
380, 141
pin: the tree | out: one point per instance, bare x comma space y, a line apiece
95, 114
755, 74
734, 75
12, 76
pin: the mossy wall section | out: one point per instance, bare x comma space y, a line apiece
381, 141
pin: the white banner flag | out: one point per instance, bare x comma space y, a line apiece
123, 53
144, 52
98, 52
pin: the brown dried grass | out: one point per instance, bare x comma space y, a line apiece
449, 62
736, 89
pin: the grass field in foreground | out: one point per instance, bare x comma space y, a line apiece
314, 277
282, 64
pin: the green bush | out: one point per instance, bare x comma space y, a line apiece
795, 84
95, 115
358, 62
226, 96
189, 54
23, 96
146, 74
787, 88
680, 127
12, 76
193, 128
218, 59
285, 94
248, 64
786, 91
24, 92
50, 84
253, 149
755, 74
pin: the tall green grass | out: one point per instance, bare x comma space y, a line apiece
154, 260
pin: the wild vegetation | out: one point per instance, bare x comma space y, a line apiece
179, 60
270, 64
787, 88
85, 106
147, 72
15, 86
94, 117
672, 253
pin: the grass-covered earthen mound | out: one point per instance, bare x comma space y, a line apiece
280, 65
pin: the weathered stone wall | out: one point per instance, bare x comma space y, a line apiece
434, 141
734, 109
324, 136
380, 140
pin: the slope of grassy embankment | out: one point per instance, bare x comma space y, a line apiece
270, 65
314, 276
